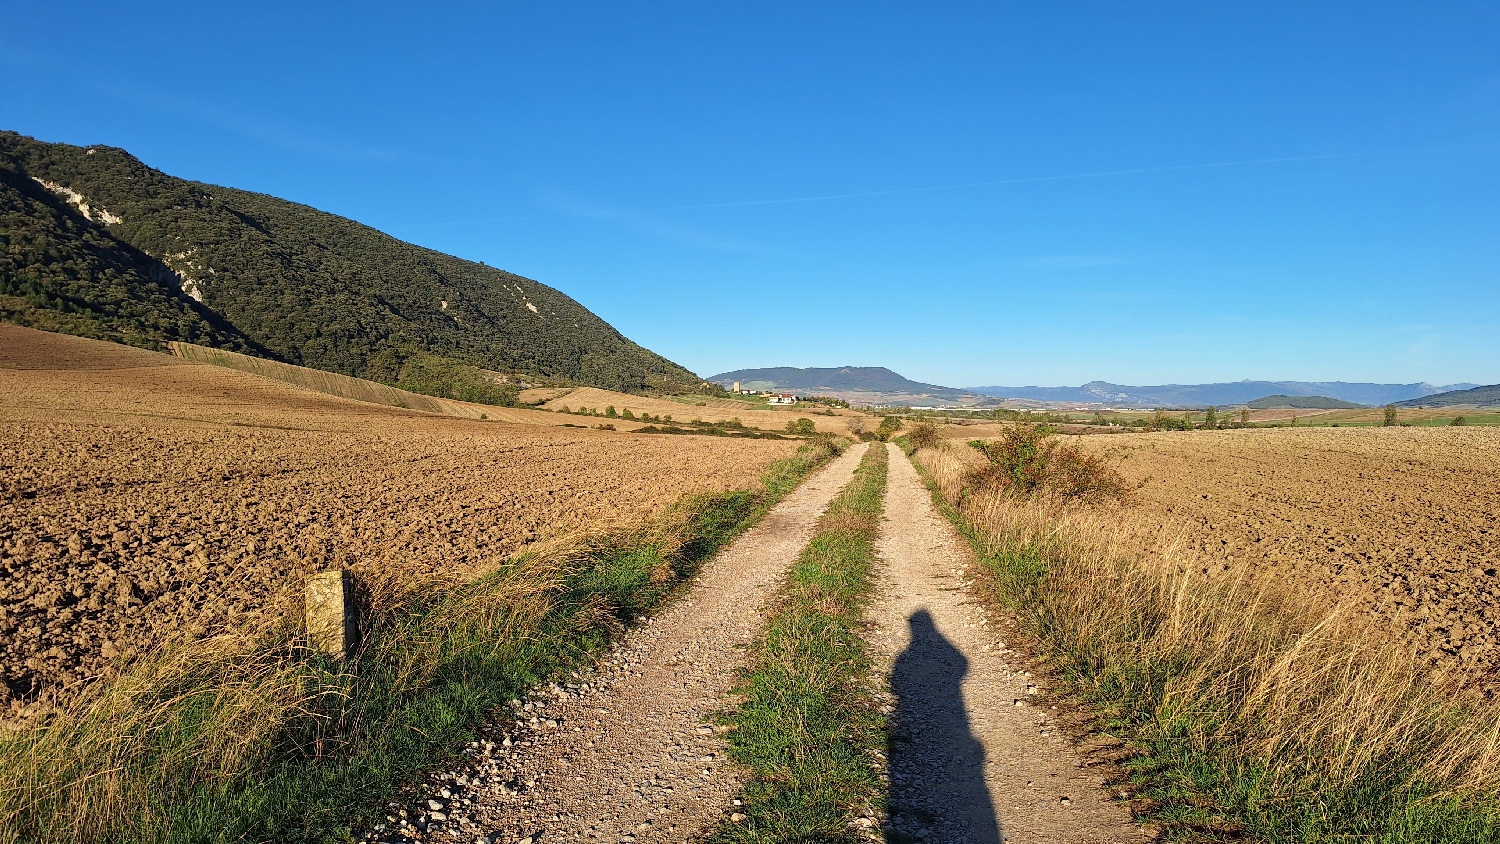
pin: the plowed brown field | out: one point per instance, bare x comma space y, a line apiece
141, 497
1399, 522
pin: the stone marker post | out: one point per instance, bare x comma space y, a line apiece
330, 613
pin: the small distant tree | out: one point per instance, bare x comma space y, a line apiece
1459, 420
801, 426
1294, 420
1244, 416
627, 414
610, 412
924, 435
889, 425
1099, 418
1390, 415
1211, 418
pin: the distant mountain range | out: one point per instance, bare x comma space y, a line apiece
1481, 396
96, 243
859, 384
878, 385
1203, 395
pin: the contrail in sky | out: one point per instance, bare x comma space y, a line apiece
998, 182
932, 188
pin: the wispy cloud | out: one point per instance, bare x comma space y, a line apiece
1021, 181
271, 130
832, 197
644, 222
1070, 262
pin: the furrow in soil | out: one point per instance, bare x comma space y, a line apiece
629, 752
976, 755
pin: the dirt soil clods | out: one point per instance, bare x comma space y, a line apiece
1397, 522
143, 498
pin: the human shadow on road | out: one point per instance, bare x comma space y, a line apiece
936, 763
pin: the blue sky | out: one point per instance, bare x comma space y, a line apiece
967, 193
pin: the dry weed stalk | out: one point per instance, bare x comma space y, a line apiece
1260, 667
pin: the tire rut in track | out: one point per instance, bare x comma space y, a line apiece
973, 758
627, 753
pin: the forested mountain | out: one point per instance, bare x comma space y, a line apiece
870, 384
1302, 402
120, 250
59, 272
1482, 396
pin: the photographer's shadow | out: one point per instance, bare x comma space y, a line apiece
936, 763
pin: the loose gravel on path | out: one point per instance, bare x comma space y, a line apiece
976, 753
628, 753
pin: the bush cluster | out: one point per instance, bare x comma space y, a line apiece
1028, 460
801, 426
889, 425
924, 435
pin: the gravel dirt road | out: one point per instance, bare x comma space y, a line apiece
976, 754
628, 753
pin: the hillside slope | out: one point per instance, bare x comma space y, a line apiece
309, 287
1479, 396
60, 272
1302, 402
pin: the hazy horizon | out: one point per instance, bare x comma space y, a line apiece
1454, 385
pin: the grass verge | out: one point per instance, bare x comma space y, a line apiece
810, 729
264, 740
1250, 708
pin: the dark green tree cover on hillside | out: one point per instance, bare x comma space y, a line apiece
59, 272
318, 290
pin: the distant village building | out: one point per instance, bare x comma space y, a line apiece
737, 387
783, 398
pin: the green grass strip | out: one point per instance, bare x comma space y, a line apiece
428, 675
810, 729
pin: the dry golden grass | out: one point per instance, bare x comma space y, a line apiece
1301, 702
1394, 522
358, 389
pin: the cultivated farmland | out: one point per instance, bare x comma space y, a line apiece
1399, 522
688, 408
142, 497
